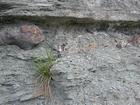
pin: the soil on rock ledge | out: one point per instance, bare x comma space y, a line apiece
97, 67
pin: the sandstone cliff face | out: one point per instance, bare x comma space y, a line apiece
99, 64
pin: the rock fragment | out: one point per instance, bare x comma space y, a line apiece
119, 46
94, 45
33, 34
106, 44
135, 41
26, 37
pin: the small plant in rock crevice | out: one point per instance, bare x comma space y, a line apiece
105, 98
123, 79
44, 75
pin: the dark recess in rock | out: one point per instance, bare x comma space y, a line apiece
5, 6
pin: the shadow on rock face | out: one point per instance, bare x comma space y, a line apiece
26, 37
5, 6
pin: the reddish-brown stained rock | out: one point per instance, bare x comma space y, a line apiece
135, 41
26, 37
32, 33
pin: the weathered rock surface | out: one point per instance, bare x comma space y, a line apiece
99, 63
84, 74
113, 10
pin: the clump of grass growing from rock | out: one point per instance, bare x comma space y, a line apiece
44, 75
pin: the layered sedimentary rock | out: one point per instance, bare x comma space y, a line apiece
127, 10
97, 49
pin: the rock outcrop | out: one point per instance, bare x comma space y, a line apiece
118, 10
96, 48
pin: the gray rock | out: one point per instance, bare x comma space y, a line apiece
72, 73
84, 74
126, 10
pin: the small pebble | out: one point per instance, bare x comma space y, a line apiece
119, 46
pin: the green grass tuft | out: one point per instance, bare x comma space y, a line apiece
44, 75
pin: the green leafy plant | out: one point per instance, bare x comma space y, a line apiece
44, 75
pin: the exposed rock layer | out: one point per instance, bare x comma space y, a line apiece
98, 65
126, 10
